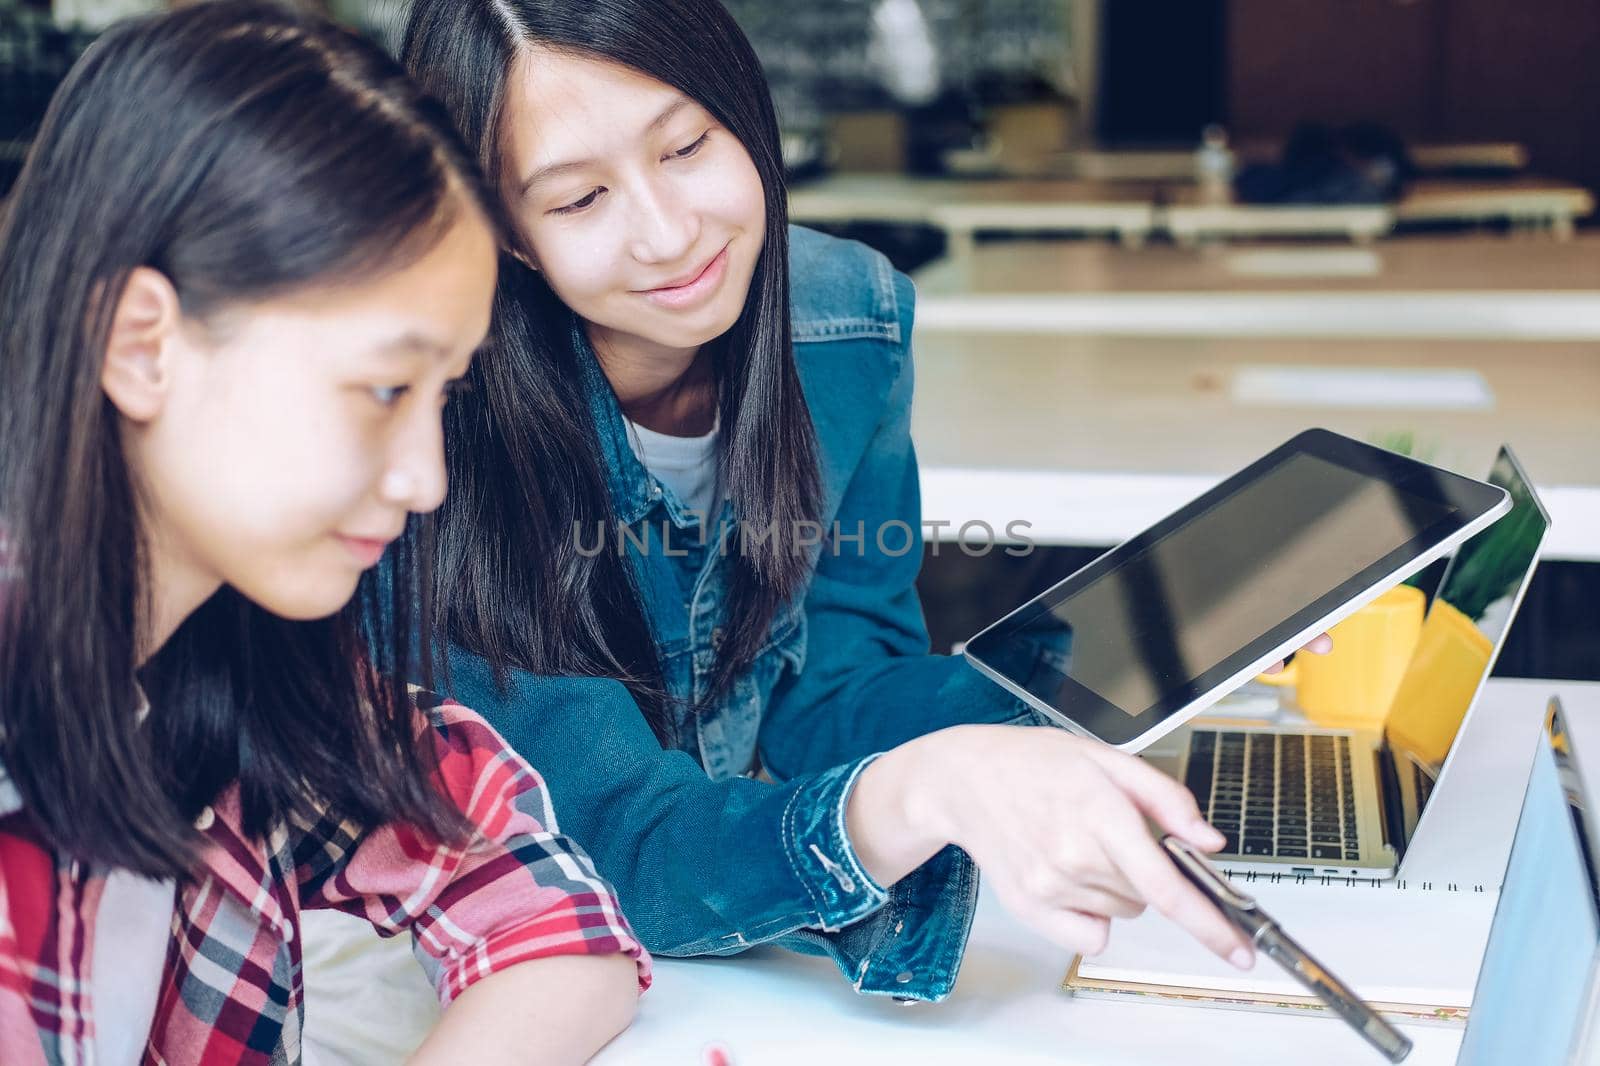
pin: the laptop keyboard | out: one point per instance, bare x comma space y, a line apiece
1278, 795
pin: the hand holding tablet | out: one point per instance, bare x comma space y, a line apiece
1128, 648
1321, 644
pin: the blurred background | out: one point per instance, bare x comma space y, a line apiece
1154, 238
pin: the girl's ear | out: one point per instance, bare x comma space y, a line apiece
520, 250
525, 258
137, 371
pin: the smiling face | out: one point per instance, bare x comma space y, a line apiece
279, 446
645, 215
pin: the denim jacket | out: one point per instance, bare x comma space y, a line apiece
706, 859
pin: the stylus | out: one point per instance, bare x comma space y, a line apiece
1269, 937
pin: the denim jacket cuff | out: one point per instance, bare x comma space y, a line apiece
914, 947
820, 852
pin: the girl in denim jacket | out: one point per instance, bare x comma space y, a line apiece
678, 570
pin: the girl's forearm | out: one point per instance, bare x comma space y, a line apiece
555, 1010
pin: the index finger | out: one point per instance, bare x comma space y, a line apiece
1162, 799
1129, 845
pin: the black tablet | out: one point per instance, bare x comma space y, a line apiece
1167, 623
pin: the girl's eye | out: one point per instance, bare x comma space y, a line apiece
388, 395
579, 205
689, 150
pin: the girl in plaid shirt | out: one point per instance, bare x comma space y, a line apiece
239, 276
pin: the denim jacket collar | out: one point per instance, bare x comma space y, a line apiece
634, 491
630, 483
835, 295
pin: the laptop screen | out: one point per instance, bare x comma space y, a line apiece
1533, 987
1466, 624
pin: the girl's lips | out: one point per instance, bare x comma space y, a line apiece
367, 552
681, 297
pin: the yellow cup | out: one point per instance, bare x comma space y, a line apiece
1353, 685
1451, 658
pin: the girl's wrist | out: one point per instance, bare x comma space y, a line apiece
897, 815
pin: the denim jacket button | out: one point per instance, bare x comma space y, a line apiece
904, 977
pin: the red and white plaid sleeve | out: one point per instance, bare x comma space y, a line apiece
519, 891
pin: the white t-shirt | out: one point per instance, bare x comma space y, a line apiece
687, 465
131, 933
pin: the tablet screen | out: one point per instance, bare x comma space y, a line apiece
1179, 607
1152, 624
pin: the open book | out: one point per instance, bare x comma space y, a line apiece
1411, 949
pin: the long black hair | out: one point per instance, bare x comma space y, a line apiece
523, 452
245, 151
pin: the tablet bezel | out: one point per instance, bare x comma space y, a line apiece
1475, 505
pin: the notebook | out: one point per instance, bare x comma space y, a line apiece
1412, 949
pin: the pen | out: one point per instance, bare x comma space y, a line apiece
1270, 939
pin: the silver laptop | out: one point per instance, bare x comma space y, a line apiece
1538, 997
1350, 802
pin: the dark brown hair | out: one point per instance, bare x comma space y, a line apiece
244, 150
524, 456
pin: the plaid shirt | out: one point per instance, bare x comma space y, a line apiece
231, 990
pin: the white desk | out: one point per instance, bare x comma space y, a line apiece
1409, 290
770, 1007
1178, 166
1132, 210
1525, 202
964, 208
1529, 203
1190, 220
